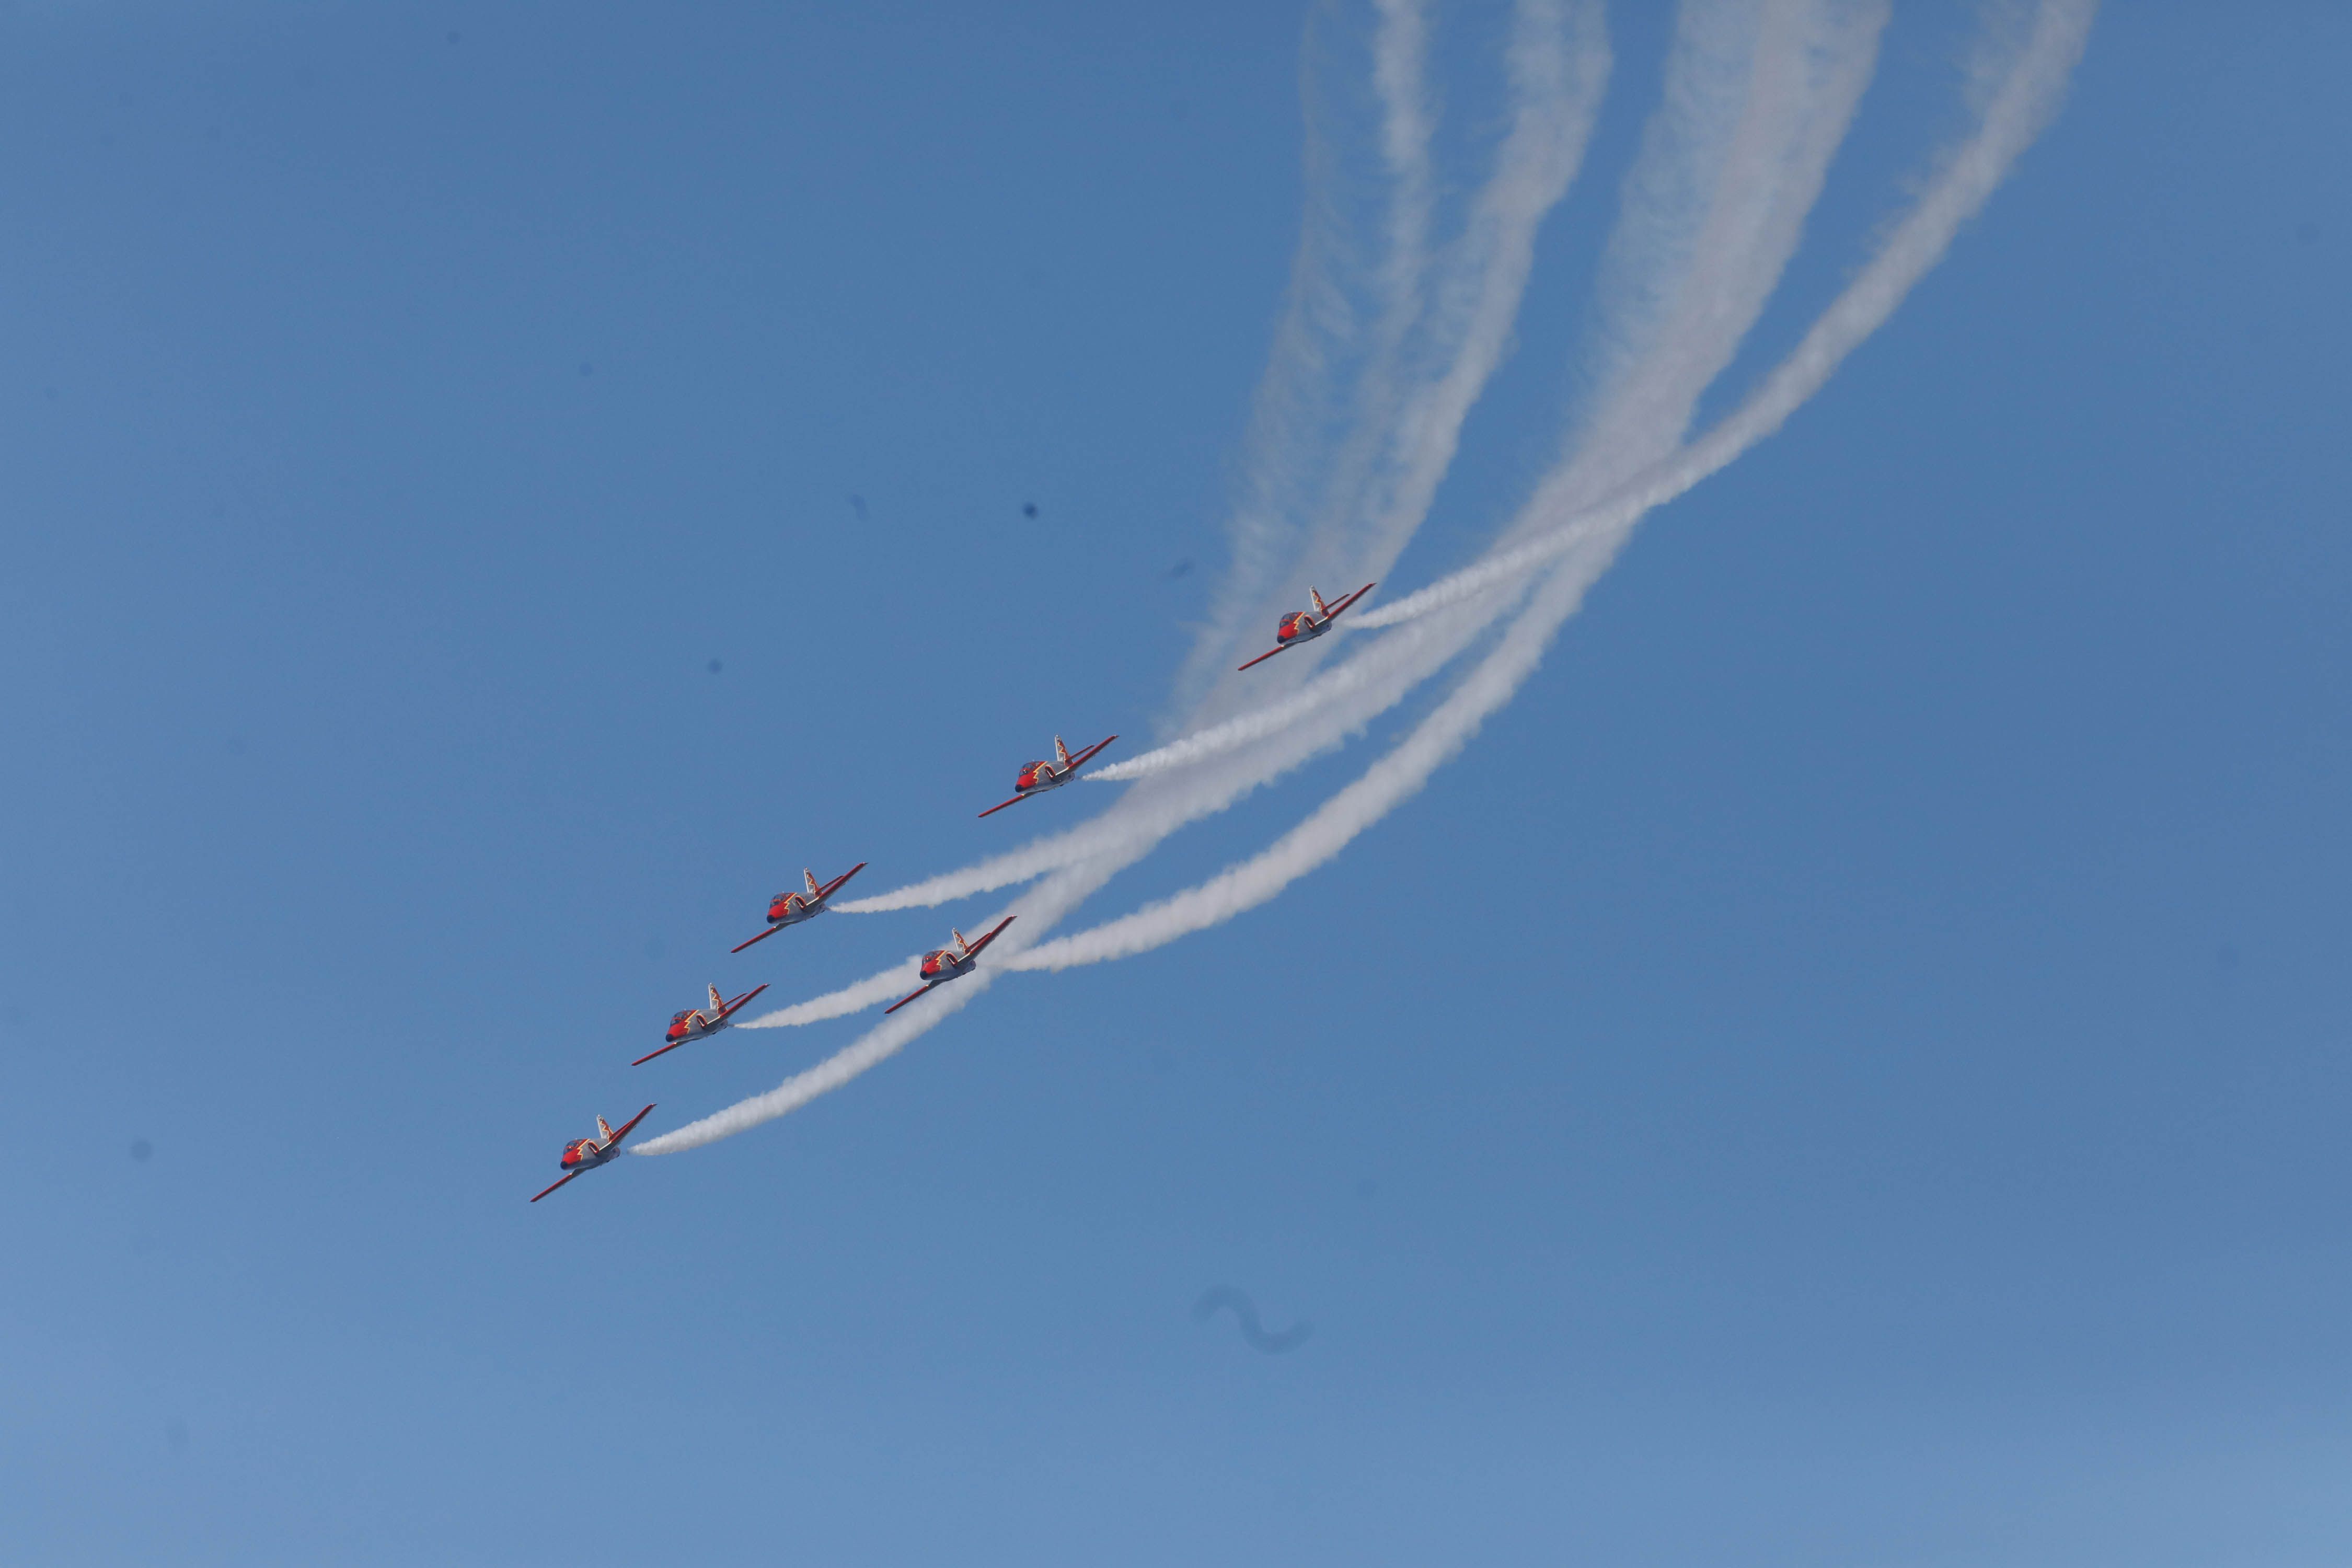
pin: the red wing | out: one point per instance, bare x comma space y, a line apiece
972, 951
1350, 599
728, 1010
664, 1051
761, 937
827, 890
902, 1000
1083, 758
1266, 654
1001, 805
627, 1127
560, 1181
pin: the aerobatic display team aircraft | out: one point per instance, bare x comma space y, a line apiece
789, 909
943, 965
1036, 778
940, 964
697, 1024
584, 1154
1305, 625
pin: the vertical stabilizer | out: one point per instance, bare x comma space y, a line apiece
604, 1131
962, 945
810, 877
717, 1006
1321, 612
1061, 752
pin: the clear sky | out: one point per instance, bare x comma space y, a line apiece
1850, 1068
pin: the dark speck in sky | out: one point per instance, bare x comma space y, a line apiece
857, 505
586, 368
715, 667
1244, 1312
1029, 509
1181, 569
142, 1149
455, 36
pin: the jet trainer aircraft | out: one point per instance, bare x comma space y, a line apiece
943, 965
1305, 625
697, 1024
584, 1154
789, 909
1036, 778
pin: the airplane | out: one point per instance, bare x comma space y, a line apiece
1037, 777
1305, 625
584, 1154
697, 1024
943, 965
789, 909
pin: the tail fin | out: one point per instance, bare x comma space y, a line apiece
962, 945
1061, 752
604, 1131
717, 1006
1321, 614
810, 877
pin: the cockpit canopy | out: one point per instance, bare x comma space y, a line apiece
681, 1017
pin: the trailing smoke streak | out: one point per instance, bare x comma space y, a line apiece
1358, 691
2015, 110
1558, 62
1295, 412
1772, 151
2015, 113
1401, 659
1776, 136
878, 1045
1042, 905
1557, 93
888, 986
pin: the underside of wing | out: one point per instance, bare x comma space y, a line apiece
829, 888
972, 949
1001, 805
629, 1127
560, 1181
731, 1006
1264, 657
1083, 758
761, 937
902, 1000
663, 1052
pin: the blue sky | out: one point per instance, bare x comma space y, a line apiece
1849, 1068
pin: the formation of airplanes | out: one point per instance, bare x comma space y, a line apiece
939, 965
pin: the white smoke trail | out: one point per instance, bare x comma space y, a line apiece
2014, 112
1297, 413
1758, 100
2015, 108
878, 1045
1558, 63
1384, 674
888, 986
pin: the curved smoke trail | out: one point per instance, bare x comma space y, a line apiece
2015, 112
2015, 104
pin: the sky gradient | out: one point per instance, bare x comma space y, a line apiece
1850, 1068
